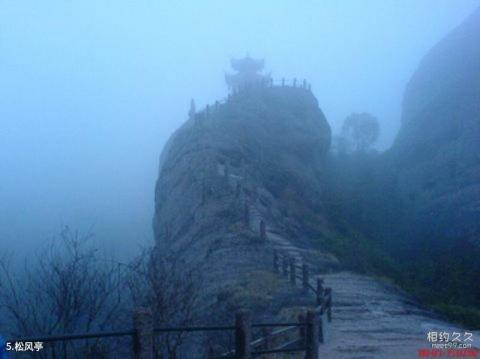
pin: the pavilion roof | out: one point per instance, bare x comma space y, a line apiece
247, 64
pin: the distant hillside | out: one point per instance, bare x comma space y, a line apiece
437, 152
420, 201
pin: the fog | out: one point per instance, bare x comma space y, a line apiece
90, 91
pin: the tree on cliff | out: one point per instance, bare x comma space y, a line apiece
359, 132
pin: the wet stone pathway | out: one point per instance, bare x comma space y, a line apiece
373, 320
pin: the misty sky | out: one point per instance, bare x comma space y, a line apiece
91, 90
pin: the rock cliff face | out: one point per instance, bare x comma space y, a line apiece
437, 152
265, 141
231, 166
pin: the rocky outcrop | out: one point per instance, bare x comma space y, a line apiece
231, 166
436, 156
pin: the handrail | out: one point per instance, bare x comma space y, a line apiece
287, 344
312, 288
279, 350
91, 335
306, 326
293, 83
271, 335
53, 338
263, 325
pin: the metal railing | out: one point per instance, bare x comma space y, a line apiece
308, 328
265, 83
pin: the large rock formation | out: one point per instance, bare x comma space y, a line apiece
437, 152
231, 166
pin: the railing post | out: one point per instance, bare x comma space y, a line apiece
302, 329
305, 277
204, 191
328, 294
210, 353
266, 333
321, 339
292, 271
263, 230
243, 334
312, 335
276, 264
238, 189
284, 265
319, 291
143, 338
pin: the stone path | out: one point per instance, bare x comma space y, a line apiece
276, 240
373, 320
